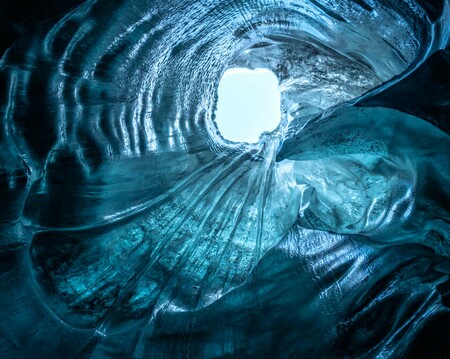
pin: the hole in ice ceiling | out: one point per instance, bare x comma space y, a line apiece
248, 104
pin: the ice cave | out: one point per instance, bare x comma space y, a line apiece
225, 179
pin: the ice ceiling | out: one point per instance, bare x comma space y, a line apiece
131, 228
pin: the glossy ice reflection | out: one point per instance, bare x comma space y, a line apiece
141, 217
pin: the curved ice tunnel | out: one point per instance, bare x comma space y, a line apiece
131, 228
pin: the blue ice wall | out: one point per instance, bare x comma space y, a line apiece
130, 228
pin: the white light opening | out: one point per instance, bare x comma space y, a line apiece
248, 104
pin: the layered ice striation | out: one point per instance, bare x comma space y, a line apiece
132, 228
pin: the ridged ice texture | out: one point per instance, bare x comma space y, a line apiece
131, 228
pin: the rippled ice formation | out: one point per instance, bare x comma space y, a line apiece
131, 229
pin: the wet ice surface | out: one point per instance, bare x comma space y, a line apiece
132, 228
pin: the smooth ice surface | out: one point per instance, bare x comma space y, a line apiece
248, 104
131, 227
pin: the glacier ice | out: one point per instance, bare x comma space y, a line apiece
131, 228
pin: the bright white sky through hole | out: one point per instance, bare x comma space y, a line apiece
248, 104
